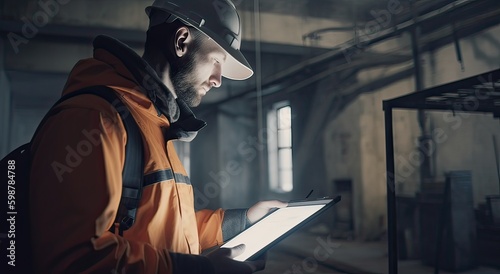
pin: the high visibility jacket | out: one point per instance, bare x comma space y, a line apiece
76, 180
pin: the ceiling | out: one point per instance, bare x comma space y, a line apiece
338, 9
442, 21
343, 10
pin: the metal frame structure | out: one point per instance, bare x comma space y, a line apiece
479, 94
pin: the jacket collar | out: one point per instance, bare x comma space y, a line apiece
183, 123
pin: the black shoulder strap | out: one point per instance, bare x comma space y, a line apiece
133, 169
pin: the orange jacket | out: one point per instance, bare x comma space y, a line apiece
76, 182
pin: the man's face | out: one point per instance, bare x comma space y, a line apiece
195, 73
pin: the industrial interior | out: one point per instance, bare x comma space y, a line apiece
392, 104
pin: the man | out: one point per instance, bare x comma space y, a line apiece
75, 187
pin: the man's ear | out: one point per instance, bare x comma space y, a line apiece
183, 37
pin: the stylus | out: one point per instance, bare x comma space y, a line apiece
310, 192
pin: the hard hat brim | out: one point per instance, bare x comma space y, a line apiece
236, 66
236, 70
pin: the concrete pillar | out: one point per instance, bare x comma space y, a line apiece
5, 102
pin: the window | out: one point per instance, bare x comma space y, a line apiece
280, 148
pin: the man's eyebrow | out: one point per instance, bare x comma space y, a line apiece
221, 54
224, 55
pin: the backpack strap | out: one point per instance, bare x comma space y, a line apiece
133, 169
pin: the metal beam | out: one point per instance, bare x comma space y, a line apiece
353, 46
392, 222
368, 60
75, 34
132, 37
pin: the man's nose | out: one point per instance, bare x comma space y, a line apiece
216, 77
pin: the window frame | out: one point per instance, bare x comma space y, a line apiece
278, 170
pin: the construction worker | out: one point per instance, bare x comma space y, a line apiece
79, 153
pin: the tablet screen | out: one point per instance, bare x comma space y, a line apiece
272, 227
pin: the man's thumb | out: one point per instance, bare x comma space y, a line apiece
237, 250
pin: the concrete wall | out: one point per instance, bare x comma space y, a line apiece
224, 158
308, 167
289, 30
467, 139
341, 141
372, 156
462, 142
354, 145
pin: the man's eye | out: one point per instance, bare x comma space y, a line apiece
216, 60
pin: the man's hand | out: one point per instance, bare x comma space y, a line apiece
224, 264
261, 208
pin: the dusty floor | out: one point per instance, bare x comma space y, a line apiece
307, 253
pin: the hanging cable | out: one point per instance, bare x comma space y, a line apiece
258, 85
457, 48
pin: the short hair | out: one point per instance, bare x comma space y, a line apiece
160, 36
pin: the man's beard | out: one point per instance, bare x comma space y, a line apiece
183, 80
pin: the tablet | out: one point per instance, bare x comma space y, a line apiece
277, 225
